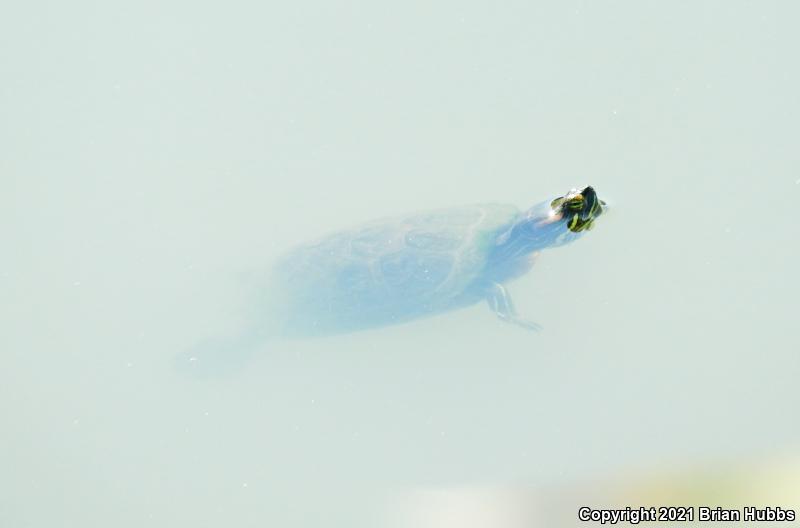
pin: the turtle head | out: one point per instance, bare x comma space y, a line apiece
549, 224
578, 209
565, 218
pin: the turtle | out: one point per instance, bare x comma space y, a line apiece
414, 266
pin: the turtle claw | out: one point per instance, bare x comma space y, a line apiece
500, 303
524, 323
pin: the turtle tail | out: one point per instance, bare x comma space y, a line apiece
221, 356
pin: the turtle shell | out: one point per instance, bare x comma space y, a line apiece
388, 271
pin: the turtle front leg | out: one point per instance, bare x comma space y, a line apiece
501, 304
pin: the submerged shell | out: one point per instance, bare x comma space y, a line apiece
387, 272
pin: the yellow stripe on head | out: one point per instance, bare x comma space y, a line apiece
573, 222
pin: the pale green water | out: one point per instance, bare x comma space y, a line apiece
156, 156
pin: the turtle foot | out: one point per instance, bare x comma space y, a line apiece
500, 303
